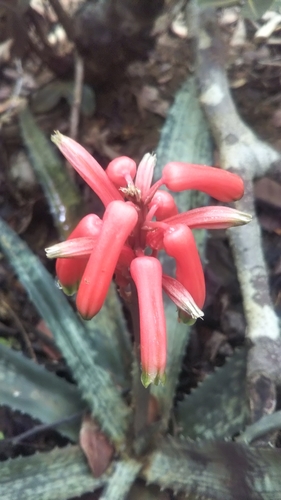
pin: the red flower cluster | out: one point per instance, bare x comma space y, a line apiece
139, 220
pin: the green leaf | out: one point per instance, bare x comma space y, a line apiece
184, 137
217, 3
29, 388
276, 5
218, 408
216, 470
63, 197
252, 9
46, 98
267, 424
57, 475
120, 482
95, 383
113, 345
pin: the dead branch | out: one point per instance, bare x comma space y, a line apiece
244, 153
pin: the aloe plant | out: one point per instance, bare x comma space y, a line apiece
182, 448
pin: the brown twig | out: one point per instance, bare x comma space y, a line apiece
63, 18
77, 95
15, 440
21, 329
242, 152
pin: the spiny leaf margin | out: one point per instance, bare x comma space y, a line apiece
218, 408
94, 382
29, 388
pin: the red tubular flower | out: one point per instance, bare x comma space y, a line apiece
119, 221
116, 246
220, 184
147, 275
121, 171
164, 205
179, 243
86, 166
70, 270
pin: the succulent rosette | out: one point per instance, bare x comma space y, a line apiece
139, 220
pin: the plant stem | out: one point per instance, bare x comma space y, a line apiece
140, 393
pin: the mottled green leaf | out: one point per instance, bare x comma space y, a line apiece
216, 470
63, 197
121, 480
108, 335
95, 383
29, 388
218, 408
267, 424
57, 475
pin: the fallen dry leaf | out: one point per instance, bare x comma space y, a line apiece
96, 446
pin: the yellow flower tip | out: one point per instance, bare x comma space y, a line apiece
70, 289
149, 378
56, 138
51, 252
145, 379
183, 317
243, 218
160, 379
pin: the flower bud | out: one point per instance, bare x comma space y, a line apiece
119, 221
70, 270
87, 167
179, 243
220, 184
164, 205
121, 171
147, 275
